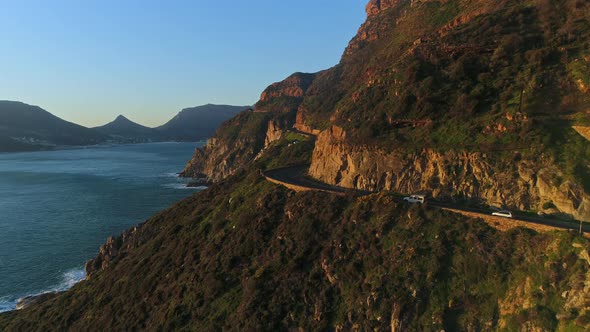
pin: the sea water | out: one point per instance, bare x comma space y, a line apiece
58, 207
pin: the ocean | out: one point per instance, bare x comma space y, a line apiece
58, 207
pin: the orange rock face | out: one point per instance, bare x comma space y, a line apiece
374, 7
294, 86
525, 185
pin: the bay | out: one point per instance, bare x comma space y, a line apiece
58, 207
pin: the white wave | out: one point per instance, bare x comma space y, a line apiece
170, 175
7, 305
69, 279
183, 186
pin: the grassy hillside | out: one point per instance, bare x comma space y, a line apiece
488, 76
249, 255
461, 64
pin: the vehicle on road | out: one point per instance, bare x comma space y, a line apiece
503, 213
414, 199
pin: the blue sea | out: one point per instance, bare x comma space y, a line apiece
58, 207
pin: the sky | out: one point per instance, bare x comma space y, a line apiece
89, 61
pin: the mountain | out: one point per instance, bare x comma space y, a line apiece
190, 124
479, 101
198, 123
474, 102
124, 130
30, 128
25, 128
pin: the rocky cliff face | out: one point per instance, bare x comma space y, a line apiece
273, 133
372, 29
222, 157
241, 140
293, 86
236, 143
115, 248
219, 160
374, 7
483, 177
285, 96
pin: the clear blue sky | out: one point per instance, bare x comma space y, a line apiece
88, 61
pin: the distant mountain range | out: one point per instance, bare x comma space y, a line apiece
190, 124
25, 127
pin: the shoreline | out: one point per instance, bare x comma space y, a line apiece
69, 279
95, 146
12, 298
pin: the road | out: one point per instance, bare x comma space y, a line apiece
297, 176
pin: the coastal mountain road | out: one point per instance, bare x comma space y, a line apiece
296, 178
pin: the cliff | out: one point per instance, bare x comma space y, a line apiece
240, 140
236, 144
285, 96
481, 177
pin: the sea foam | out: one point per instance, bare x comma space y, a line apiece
183, 186
69, 279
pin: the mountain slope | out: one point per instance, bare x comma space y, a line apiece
124, 129
26, 127
198, 123
461, 100
396, 114
250, 255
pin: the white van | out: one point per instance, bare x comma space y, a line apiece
414, 199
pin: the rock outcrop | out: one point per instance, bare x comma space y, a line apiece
273, 133
583, 130
285, 96
115, 248
374, 7
293, 86
481, 177
220, 159
242, 139
301, 125
236, 144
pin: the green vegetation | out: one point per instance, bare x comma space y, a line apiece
293, 149
500, 80
282, 104
493, 76
250, 255
244, 124
572, 153
292, 137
